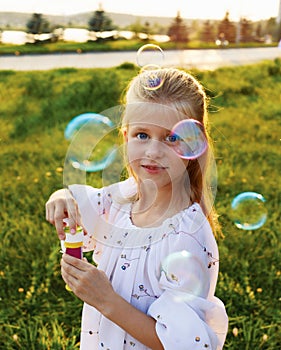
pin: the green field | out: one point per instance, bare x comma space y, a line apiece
37, 313
112, 45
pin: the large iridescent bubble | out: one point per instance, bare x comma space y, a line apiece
91, 150
189, 138
94, 146
187, 273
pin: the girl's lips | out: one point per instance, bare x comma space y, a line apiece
153, 168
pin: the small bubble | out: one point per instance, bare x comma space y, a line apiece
248, 211
150, 54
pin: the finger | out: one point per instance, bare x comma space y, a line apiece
73, 214
49, 212
68, 278
52, 204
59, 216
71, 273
74, 221
79, 264
55, 217
60, 230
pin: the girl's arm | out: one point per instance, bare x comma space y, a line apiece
93, 287
133, 321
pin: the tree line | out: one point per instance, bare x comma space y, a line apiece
224, 31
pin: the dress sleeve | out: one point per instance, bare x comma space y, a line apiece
180, 311
96, 209
179, 326
92, 204
188, 315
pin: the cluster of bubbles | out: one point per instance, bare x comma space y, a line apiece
95, 144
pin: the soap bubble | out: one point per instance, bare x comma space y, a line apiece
150, 55
95, 150
151, 79
187, 273
150, 58
91, 146
76, 123
190, 140
248, 210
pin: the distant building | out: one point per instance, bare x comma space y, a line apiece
16, 37
76, 35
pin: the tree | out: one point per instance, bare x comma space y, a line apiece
37, 24
272, 28
178, 31
246, 30
146, 28
207, 34
136, 27
227, 29
100, 22
258, 31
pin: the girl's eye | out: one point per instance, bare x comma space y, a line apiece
172, 138
142, 136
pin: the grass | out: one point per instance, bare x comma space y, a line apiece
111, 45
245, 113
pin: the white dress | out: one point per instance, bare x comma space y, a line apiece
168, 272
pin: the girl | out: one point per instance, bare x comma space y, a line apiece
152, 235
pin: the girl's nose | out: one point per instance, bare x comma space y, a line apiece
154, 149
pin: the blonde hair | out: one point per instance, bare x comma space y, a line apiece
180, 91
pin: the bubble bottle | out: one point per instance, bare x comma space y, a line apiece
73, 243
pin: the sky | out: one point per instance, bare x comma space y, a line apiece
201, 9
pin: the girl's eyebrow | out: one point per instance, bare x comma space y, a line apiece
139, 128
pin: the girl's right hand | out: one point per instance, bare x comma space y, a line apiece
59, 206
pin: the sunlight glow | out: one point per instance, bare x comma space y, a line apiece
201, 9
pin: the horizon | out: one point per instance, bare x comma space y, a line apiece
200, 10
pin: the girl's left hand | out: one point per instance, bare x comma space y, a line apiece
87, 282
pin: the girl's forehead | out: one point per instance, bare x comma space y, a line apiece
153, 114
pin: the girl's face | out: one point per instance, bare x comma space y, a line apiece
150, 150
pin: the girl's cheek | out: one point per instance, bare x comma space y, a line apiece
131, 156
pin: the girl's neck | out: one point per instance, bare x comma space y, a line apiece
155, 205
